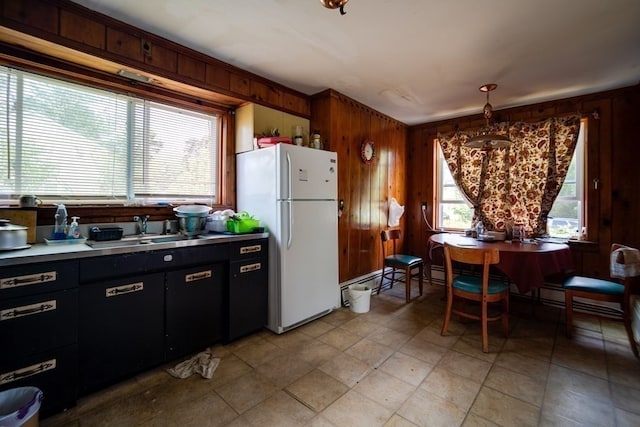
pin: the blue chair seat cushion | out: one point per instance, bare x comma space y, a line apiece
589, 284
402, 261
473, 284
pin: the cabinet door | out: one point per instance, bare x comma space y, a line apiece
37, 323
247, 297
194, 309
121, 328
55, 372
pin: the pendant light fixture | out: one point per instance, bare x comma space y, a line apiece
486, 140
335, 4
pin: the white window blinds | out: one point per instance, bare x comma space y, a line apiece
64, 140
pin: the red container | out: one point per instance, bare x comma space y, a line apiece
272, 140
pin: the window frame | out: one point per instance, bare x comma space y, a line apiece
152, 94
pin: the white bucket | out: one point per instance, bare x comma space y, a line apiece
359, 298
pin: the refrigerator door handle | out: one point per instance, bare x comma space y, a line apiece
290, 231
289, 176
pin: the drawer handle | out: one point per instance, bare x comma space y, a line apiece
31, 279
198, 276
250, 249
250, 267
124, 289
18, 374
27, 310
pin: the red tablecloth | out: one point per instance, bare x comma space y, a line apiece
525, 264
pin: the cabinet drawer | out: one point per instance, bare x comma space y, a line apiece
121, 328
127, 264
199, 255
248, 249
31, 279
55, 372
37, 323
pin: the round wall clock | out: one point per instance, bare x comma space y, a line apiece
367, 151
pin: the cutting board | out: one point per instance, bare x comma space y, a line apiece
22, 216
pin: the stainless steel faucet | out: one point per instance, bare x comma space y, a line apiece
142, 224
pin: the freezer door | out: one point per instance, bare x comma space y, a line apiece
307, 174
308, 260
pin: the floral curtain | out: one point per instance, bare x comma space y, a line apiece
515, 185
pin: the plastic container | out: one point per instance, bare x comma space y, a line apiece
359, 298
245, 225
74, 229
20, 407
103, 234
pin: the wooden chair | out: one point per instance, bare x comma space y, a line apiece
475, 288
608, 290
399, 263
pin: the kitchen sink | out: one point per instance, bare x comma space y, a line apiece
136, 240
164, 239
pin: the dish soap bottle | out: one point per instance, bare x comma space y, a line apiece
74, 230
59, 230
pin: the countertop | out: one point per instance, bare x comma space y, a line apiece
42, 252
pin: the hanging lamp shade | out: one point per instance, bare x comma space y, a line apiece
335, 4
486, 140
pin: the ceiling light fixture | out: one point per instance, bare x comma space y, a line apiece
335, 4
134, 76
486, 140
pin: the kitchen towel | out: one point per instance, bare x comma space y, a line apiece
204, 363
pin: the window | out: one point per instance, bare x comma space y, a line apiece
566, 216
61, 140
454, 212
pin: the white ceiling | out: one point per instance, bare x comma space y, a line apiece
414, 60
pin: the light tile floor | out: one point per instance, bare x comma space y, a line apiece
391, 367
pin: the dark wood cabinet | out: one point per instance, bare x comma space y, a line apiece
121, 328
39, 330
71, 327
247, 294
193, 309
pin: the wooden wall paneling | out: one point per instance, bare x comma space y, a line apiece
217, 77
355, 188
625, 156
192, 68
339, 142
81, 29
599, 167
124, 44
161, 57
378, 176
362, 128
38, 15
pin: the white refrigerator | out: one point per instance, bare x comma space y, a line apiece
292, 190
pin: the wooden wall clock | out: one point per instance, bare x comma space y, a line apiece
367, 151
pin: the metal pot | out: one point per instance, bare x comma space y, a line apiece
12, 236
191, 225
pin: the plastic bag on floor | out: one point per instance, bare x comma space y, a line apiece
203, 363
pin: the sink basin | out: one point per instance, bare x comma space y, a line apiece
136, 240
164, 239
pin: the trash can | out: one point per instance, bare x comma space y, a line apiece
20, 407
359, 298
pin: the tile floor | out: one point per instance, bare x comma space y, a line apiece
391, 367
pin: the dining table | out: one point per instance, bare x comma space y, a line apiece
525, 263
